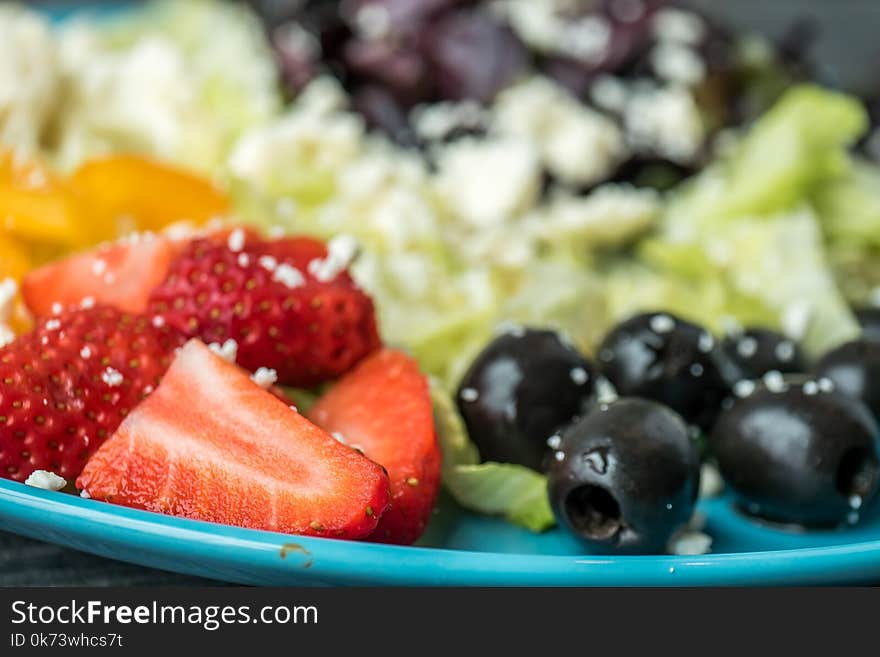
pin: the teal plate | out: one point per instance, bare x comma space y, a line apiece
459, 550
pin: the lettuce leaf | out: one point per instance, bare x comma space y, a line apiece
743, 239
800, 142
514, 491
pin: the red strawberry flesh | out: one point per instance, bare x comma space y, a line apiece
121, 274
210, 444
383, 406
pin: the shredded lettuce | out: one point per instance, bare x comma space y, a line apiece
176, 80
745, 239
798, 144
513, 491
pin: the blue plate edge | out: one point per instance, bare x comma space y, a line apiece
247, 556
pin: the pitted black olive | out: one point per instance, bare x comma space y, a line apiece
661, 357
869, 320
523, 387
797, 451
625, 477
756, 351
854, 368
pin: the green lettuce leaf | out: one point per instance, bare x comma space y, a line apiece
800, 142
746, 239
514, 491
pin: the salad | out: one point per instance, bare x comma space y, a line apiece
297, 266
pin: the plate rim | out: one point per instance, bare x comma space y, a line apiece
249, 556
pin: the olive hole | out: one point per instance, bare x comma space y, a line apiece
857, 473
593, 512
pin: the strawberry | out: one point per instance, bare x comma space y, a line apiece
210, 444
66, 386
121, 274
289, 304
383, 407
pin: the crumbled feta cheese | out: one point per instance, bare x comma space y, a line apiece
56, 308
487, 182
711, 483
796, 317
85, 353
163, 94
288, 275
6, 335
435, 121
577, 144
29, 80
690, 543
678, 64
664, 121
87, 302
825, 384
53, 325
662, 323
339, 437
774, 381
84, 494
268, 263
112, 377
307, 138
605, 391
341, 252
228, 351
706, 342
372, 21
236, 240
785, 351
609, 93
8, 290
158, 321
546, 27
45, 480
265, 377
678, 25
743, 388
244, 260
579, 376
469, 394
747, 347
99, 266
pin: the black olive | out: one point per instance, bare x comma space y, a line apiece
854, 367
625, 477
525, 385
869, 320
756, 351
798, 452
661, 357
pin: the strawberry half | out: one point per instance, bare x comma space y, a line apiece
383, 407
66, 386
210, 444
289, 304
121, 274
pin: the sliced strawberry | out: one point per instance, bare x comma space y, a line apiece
383, 407
121, 274
212, 445
290, 305
66, 386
